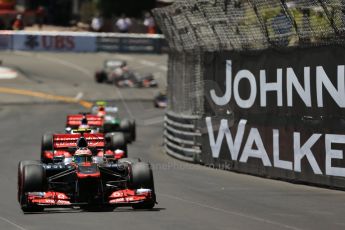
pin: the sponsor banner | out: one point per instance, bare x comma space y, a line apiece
299, 149
275, 113
138, 45
131, 44
301, 82
50, 42
82, 42
5, 41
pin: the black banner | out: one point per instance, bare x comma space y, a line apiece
276, 113
295, 82
131, 45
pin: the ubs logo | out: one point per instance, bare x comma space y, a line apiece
31, 41
50, 42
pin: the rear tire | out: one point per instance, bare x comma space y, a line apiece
117, 141
100, 77
133, 130
109, 127
155, 104
46, 145
142, 177
125, 127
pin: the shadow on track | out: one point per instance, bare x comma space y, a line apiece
77, 210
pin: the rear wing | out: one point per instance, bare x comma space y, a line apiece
74, 120
63, 141
107, 109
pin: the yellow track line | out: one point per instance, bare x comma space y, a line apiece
52, 97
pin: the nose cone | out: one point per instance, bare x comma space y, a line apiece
87, 170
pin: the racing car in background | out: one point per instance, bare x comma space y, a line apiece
103, 125
112, 119
117, 72
52, 149
160, 100
103, 119
86, 179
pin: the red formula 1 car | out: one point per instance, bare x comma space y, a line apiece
117, 72
86, 180
52, 150
103, 122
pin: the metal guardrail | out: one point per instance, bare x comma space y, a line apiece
181, 138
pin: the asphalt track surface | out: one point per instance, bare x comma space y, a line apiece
189, 196
72, 75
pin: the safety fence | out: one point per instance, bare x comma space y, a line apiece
82, 42
264, 81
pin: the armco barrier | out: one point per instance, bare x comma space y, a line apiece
181, 137
81, 42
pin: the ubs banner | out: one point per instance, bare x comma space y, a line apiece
54, 42
276, 113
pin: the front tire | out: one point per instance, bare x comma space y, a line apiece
21, 166
100, 77
142, 177
33, 179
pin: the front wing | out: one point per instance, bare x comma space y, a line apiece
124, 197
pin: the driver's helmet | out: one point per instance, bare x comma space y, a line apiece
118, 72
84, 123
125, 68
68, 130
82, 155
101, 111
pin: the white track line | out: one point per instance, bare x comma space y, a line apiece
83, 70
7, 73
243, 215
130, 114
12, 223
79, 96
56, 60
68, 64
153, 121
